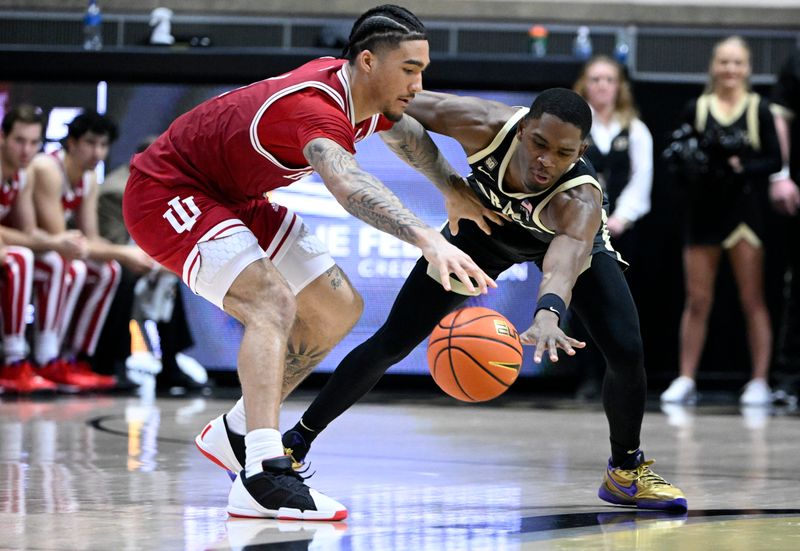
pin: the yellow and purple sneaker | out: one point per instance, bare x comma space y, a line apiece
641, 487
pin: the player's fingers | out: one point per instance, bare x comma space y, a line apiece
575, 343
565, 345
489, 281
483, 225
553, 348
453, 225
527, 339
483, 280
537, 355
493, 216
463, 277
444, 277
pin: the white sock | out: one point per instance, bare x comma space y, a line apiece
13, 348
236, 419
261, 444
45, 347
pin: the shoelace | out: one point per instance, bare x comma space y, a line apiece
295, 479
644, 473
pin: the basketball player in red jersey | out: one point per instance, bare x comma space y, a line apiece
195, 202
65, 190
20, 140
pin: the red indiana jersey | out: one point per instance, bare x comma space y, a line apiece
240, 145
71, 196
9, 189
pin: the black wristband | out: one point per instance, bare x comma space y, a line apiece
552, 303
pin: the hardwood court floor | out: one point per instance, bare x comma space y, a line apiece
121, 473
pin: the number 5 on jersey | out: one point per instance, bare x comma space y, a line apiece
179, 218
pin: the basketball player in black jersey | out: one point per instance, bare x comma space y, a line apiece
526, 167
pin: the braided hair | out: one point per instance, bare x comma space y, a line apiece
385, 25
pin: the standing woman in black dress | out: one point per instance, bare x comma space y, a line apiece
724, 213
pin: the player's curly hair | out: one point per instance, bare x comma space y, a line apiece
565, 104
92, 121
382, 26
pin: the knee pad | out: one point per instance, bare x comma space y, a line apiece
305, 259
221, 262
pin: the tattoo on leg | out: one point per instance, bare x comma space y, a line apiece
301, 359
335, 275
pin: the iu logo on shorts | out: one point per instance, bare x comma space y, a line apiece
177, 215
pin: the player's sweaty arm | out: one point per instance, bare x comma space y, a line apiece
409, 141
575, 216
473, 122
365, 197
412, 143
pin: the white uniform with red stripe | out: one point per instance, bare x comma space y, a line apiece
206, 177
89, 286
16, 274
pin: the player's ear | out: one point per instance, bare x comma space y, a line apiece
582, 149
366, 61
521, 126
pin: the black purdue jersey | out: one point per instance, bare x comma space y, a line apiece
486, 180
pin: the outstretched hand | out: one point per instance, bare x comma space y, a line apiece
547, 337
462, 203
448, 259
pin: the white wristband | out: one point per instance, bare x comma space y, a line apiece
784, 174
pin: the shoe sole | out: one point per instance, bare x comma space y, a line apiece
678, 504
285, 513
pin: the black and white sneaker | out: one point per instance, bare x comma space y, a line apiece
279, 492
220, 445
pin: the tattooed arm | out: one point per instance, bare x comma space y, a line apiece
412, 143
365, 197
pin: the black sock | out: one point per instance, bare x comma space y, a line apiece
624, 457
306, 432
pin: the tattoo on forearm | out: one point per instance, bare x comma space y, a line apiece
367, 199
301, 359
380, 208
414, 145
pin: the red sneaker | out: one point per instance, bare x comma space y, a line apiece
67, 379
20, 378
98, 381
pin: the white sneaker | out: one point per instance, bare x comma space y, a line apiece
681, 391
279, 492
142, 365
756, 393
220, 445
191, 368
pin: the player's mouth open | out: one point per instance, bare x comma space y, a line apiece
541, 177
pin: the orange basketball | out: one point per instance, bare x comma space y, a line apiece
474, 354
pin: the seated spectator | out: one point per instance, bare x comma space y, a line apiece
153, 298
65, 195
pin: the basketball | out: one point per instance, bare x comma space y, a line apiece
474, 354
